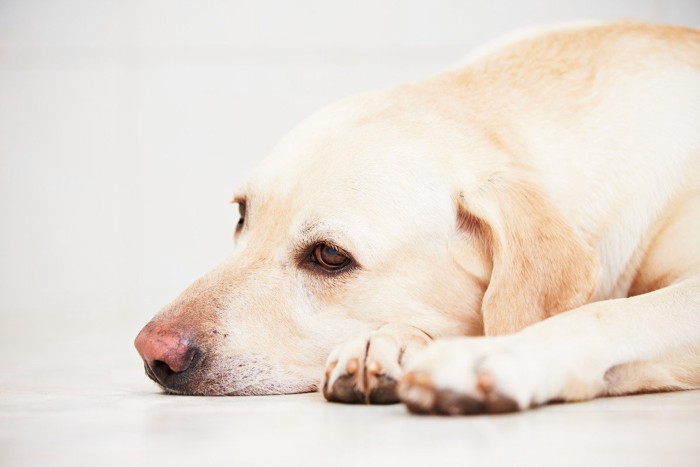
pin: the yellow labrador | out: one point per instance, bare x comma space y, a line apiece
546, 195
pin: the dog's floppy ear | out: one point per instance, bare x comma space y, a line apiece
540, 265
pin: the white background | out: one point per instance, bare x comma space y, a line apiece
125, 126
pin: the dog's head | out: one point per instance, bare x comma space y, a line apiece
383, 208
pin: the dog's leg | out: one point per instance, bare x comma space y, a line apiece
367, 368
646, 343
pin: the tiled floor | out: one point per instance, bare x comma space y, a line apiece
82, 400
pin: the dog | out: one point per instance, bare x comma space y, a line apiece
521, 229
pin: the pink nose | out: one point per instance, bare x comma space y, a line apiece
167, 353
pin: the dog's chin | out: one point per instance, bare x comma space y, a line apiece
264, 390
225, 387
267, 390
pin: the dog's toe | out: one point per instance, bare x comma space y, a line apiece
364, 370
384, 390
344, 389
361, 384
367, 369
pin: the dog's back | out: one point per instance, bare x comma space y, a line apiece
591, 109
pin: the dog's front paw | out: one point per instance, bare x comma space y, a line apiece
367, 369
490, 375
449, 378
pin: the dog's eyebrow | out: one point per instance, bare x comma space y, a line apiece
314, 231
309, 226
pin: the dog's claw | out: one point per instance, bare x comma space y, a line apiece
374, 368
330, 368
352, 366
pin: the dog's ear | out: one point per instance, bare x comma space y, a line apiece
540, 265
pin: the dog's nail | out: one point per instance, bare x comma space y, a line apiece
352, 366
418, 378
330, 368
484, 382
418, 399
374, 368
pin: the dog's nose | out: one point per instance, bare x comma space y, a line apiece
166, 352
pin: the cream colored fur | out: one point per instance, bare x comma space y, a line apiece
545, 194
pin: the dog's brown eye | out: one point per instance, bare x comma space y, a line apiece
330, 257
241, 212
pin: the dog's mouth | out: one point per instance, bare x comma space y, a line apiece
151, 374
250, 383
172, 382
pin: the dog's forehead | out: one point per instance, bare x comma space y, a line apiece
367, 150
373, 169
353, 199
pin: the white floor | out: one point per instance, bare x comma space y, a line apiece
82, 399
125, 127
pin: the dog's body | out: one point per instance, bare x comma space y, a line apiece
559, 173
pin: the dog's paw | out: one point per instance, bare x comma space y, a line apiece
491, 375
453, 377
367, 369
